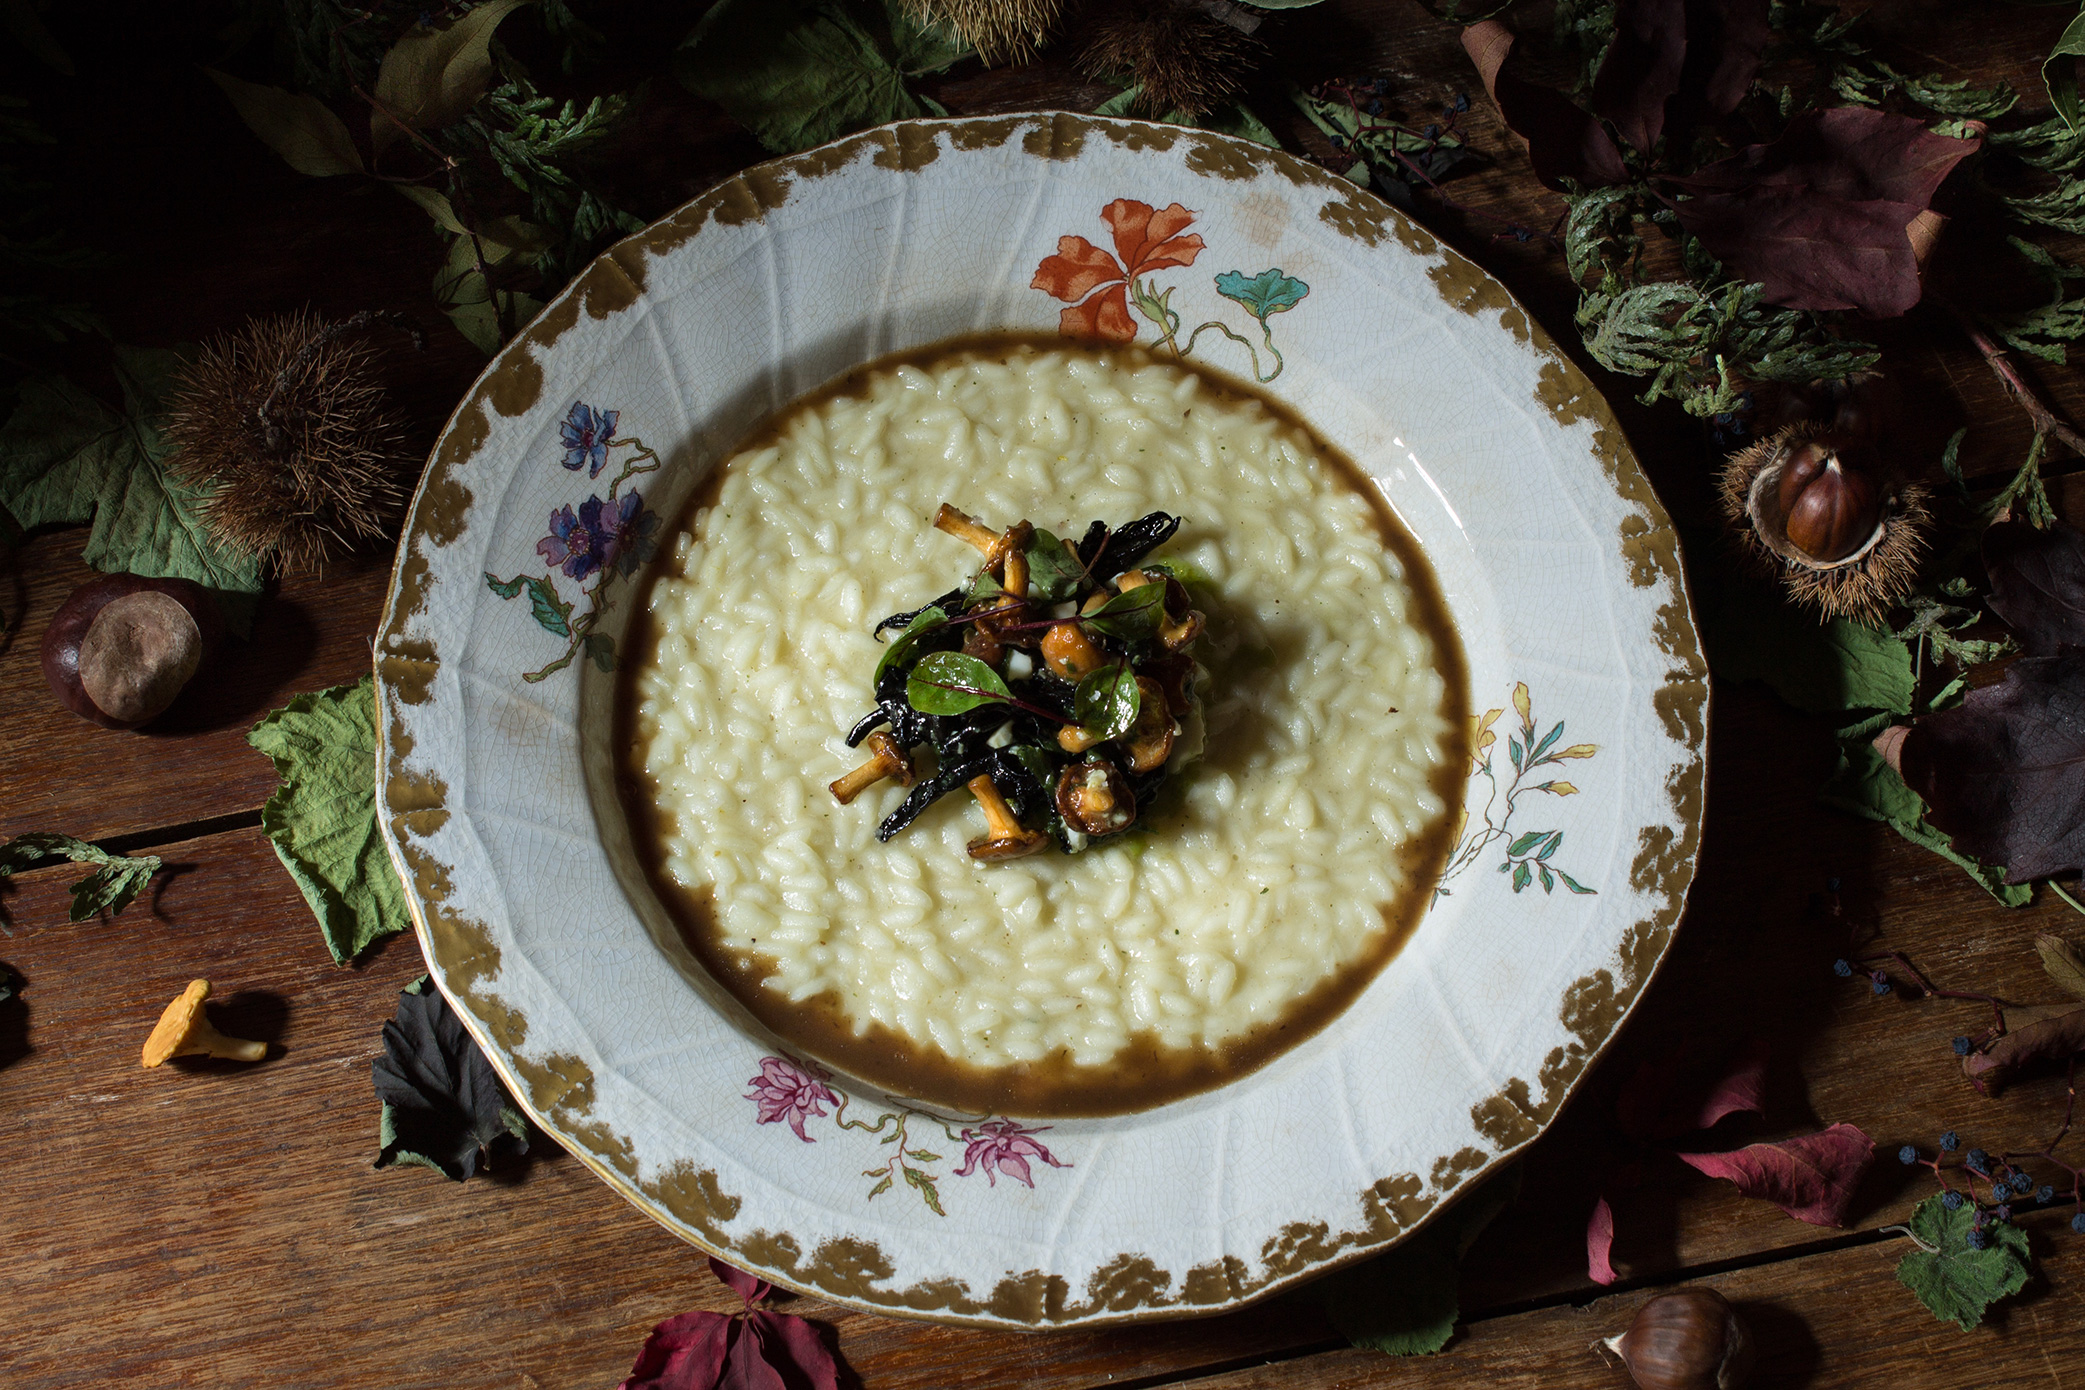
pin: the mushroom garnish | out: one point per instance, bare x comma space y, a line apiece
965, 528
1094, 798
184, 1030
1070, 653
1005, 837
889, 761
1150, 740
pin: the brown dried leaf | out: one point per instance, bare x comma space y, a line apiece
2038, 583
1642, 68
2064, 962
1563, 141
2036, 1033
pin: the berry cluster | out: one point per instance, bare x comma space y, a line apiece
2012, 1189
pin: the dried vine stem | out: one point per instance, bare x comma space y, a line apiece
2045, 421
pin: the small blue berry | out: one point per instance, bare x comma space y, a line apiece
1522, 234
1907, 1155
1462, 101
1978, 1161
1962, 1046
2001, 1213
2045, 1195
1979, 1241
1950, 1141
1952, 1199
1882, 982
1831, 885
1843, 969
1432, 132
1339, 142
2078, 1223
2022, 1184
1381, 86
1374, 107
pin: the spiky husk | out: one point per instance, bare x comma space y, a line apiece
1863, 591
1002, 31
1182, 58
322, 472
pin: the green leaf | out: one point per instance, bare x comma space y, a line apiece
927, 1191
1404, 1302
431, 77
505, 588
600, 649
798, 73
323, 817
1054, 573
950, 683
1239, 120
982, 587
1574, 885
444, 1105
2060, 71
115, 883
1839, 665
906, 643
297, 126
1521, 875
1132, 614
880, 1188
1107, 700
66, 458
1957, 1284
483, 315
551, 612
1035, 760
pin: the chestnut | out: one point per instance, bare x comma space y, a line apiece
1689, 1339
123, 646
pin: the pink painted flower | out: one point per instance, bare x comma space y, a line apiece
792, 1091
1003, 1146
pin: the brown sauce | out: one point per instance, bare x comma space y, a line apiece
1145, 1073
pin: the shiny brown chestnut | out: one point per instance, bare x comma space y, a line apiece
122, 647
1830, 505
1689, 1339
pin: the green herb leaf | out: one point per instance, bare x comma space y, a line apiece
297, 126
905, 643
2060, 71
1955, 1282
1106, 701
485, 316
1054, 573
66, 458
323, 816
1186, 571
982, 587
1035, 760
432, 76
1133, 614
443, 1103
1404, 1302
2064, 962
950, 683
115, 883
1838, 666
801, 72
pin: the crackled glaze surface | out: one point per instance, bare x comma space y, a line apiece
1556, 560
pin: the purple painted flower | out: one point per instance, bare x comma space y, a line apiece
632, 533
578, 542
1003, 1146
587, 433
792, 1091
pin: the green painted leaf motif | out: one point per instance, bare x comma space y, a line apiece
1556, 838
1106, 701
1054, 572
1957, 1284
951, 683
1521, 876
1269, 292
927, 1190
505, 588
1573, 884
2060, 71
880, 1188
1132, 615
1544, 746
323, 816
66, 458
1549, 882
922, 1156
113, 885
1523, 843
551, 612
906, 643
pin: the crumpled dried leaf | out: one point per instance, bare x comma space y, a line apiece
1811, 1177
1820, 216
753, 1349
1599, 1244
2064, 962
296, 125
431, 77
2033, 1033
1671, 1096
2038, 583
115, 883
2004, 773
443, 1103
1955, 1282
1564, 142
1641, 71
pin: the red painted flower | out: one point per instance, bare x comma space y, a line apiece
1003, 1145
790, 1091
1144, 239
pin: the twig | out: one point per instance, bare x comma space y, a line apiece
2045, 421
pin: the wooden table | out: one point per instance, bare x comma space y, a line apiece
221, 1226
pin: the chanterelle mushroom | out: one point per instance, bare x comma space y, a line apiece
185, 1031
889, 761
1004, 837
1094, 798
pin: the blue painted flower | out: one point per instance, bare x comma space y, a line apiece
1269, 292
587, 433
632, 531
579, 543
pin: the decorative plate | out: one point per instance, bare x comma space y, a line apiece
514, 585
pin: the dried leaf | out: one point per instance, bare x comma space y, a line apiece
1726, 39
2033, 1033
1811, 1177
1564, 142
757, 1349
2038, 583
750, 1288
2060, 72
2064, 962
1642, 68
1658, 1103
1599, 1242
432, 76
115, 883
2004, 773
1820, 217
1955, 1282
443, 1103
297, 126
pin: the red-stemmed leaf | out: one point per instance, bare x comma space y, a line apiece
1821, 216
683, 1353
1811, 1177
2003, 773
1563, 141
757, 1349
2038, 583
1669, 1096
1642, 68
2033, 1033
750, 1288
1599, 1242
794, 1347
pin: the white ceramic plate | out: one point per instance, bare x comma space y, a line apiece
1558, 564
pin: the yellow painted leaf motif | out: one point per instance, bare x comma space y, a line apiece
1482, 738
1558, 788
1520, 706
1578, 750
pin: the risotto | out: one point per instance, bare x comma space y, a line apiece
1275, 873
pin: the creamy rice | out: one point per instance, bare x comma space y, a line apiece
1278, 859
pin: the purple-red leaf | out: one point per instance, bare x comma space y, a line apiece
2034, 1033
1821, 216
2003, 774
2038, 583
1599, 1241
758, 1349
1725, 41
750, 1288
791, 1343
1811, 1177
1642, 68
1563, 141
683, 1353
1663, 1101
